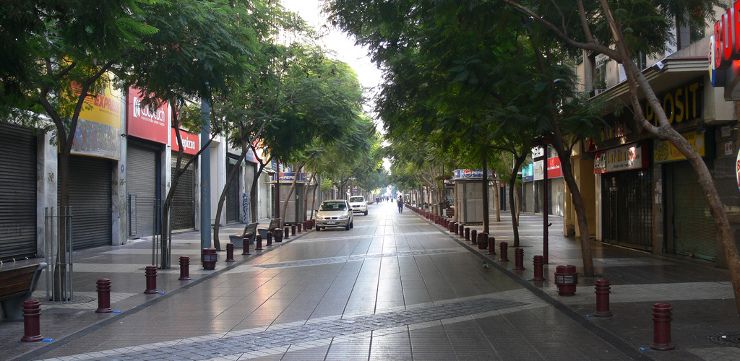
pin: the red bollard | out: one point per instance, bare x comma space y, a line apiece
453, 227
662, 327
491, 245
286, 233
185, 268
602, 298
467, 234
518, 259
292, 229
245, 246
504, 250
151, 280
278, 234
258, 241
103, 287
473, 236
31, 321
229, 252
300, 227
566, 280
269, 240
482, 240
460, 230
538, 265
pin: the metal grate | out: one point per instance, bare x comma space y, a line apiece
627, 208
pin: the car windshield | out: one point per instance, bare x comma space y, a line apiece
356, 199
333, 206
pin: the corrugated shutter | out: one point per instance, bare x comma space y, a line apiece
142, 181
232, 193
627, 208
90, 198
17, 192
182, 212
693, 229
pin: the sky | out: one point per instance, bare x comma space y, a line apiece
342, 46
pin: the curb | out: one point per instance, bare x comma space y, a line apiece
603, 333
34, 354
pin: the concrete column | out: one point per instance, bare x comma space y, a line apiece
119, 216
218, 176
46, 184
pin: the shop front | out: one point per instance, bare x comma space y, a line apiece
182, 212
147, 137
626, 194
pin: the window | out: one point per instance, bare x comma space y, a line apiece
356, 199
333, 206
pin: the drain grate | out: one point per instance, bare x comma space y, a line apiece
77, 299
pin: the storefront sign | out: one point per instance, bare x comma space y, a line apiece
144, 121
470, 174
726, 45
618, 159
538, 152
98, 132
290, 176
528, 172
190, 142
681, 105
666, 152
553, 168
539, 170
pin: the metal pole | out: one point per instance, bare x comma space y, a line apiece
205, 177
545, 209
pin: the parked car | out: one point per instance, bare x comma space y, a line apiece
358, 204
334, 213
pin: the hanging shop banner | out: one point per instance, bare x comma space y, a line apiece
146, 122
628, 157
538, 152
470, 174
665, 151
190, 142
539, 170
98, 132
553, 168
290, 176
528, 172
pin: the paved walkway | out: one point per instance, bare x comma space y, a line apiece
395, 287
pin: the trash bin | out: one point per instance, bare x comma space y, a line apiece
209, 258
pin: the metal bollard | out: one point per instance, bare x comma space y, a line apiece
518, 259
566, 279
453, 227
103, 288
286, 233
258, 242
460, 230
491, 245
602, 288
229, 252
269, 237
482, 240
278, 234
269, 240
185, 268
504, 250
467, 234
474, 236
151, 280
31, 321
300, 228
292, 229
245, 246
662, 327
538, 265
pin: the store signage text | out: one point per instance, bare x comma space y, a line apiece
665, 151
617, 159
289, 176
682, 104
98, 132
189, 142
726, 45
539, 170
144, 121
554, 169
469, 174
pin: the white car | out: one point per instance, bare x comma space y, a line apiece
358, 204
335, 213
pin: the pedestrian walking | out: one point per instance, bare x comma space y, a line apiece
400, 204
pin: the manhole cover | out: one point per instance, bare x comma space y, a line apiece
727, 338
77, 299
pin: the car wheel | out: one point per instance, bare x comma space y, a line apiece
318, 229
347, 227
352, 224
365, 212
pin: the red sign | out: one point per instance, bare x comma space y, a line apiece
553, 168
144, 121
727, 37
189, 142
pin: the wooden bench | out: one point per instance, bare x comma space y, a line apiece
250, 232
17, 282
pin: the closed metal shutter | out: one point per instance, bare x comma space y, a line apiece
90, 198
17, 192
143, 181
627, 208
182, 212
232, 194
528, 197
691, 230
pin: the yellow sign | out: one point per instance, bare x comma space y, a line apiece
666, 152
104, 108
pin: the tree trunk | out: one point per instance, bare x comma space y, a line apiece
290, 193
313, 201
222, 198
484, 184
512, 184
305, 195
